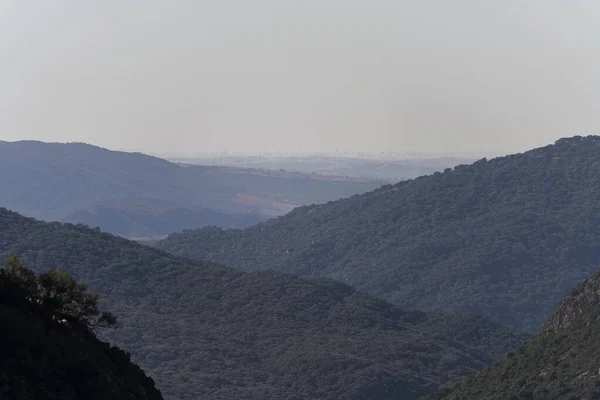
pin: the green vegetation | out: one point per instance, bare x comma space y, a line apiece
562, 362
505, 238
45, 356
65, 298
206, 331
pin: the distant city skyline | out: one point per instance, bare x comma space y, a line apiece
315, 153
309, 154
191, 153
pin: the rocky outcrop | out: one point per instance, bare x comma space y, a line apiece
579, 309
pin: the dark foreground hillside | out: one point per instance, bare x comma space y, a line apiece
206, 331
42, 359
505, 238
561, 363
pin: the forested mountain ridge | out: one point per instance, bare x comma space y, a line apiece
506, 238
42, 358
133, 194
205, 331
562, 362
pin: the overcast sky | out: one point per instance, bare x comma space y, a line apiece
177, 76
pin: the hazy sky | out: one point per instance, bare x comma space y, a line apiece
370, 75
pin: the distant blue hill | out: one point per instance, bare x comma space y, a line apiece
133, 194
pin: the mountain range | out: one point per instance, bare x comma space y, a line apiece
202, 330
506, 238
136, 195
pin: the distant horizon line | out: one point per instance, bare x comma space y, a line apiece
294, 154
309, 154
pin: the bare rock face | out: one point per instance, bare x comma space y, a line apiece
579, 309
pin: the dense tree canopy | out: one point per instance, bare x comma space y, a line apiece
562, 362
42, 357
64, 297
505, 238
203, 330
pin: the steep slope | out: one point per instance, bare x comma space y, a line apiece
75, 182
505, 238
41, 359
203, 330
562, 362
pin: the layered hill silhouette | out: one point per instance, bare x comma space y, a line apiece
506, 238
562, 362
206, 331
148, 217
134, 195
392, 167
41, 358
